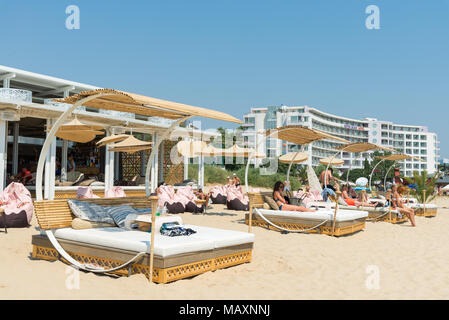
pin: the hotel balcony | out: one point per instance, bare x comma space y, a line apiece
15, 95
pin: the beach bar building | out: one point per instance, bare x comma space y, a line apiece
28, 110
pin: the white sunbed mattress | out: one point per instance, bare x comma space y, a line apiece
420, 205
138, 241
321, 214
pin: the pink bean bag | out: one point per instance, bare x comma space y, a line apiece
85, 193
218, 194
186, 196
167, 198
18, 205
115, 192
236, 200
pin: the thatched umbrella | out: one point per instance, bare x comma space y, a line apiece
331, 162
297, 157
130, 145
191, 149
112, 138
77, 131
82, 136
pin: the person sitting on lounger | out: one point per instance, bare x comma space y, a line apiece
202, 196
354, 202
398, 204
283, 205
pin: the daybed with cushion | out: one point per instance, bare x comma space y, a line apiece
322, 221
175, 257
374, 214
428, 210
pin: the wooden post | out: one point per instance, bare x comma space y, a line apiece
424, 202
154, 204
250, 215
335, 213
390, 199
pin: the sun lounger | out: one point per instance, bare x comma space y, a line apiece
175, 257
429, 210
374, 214
322, 221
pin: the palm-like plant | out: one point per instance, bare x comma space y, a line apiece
423, 183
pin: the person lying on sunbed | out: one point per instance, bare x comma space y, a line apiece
282, 203
398, 204
354, 202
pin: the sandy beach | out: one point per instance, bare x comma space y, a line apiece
411, 264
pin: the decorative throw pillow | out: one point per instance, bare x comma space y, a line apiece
89, 211
80, 224
273, 205
266, 206
143, 210
119, 213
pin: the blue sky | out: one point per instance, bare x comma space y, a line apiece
233, 55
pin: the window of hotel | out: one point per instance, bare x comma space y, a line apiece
423, 152
423, 144
408, 136
423, 137
408, 151
423, 166
415, 151
374, 140
415, 137
294, 118
408, 144
409, 165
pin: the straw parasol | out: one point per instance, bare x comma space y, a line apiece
331, 162
130, 145
191, 149
297, 157
82, 136
236, 151
301, 135
357, 147
112, 138
76, 125
78, 131
398, 157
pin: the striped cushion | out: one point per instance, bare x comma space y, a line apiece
90, 211
119, 213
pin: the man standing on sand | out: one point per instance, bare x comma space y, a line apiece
328, 179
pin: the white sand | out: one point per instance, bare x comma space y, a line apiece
412, 264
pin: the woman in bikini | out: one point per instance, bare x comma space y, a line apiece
397, 203
282, 203
354, 202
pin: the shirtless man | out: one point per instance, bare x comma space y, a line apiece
330, 178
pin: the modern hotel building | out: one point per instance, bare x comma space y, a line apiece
413, 140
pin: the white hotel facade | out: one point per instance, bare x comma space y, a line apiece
413, 140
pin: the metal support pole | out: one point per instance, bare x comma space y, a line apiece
15, 149
3, 152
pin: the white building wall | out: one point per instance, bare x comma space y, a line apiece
413, 140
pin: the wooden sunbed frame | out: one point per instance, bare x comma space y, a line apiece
332, 228
55, 214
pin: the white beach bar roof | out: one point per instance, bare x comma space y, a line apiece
27, 94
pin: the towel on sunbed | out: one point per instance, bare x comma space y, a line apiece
18, 205
115, 192
311, 196
85, 193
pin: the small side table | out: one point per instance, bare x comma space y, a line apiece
201, 202
2, 216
